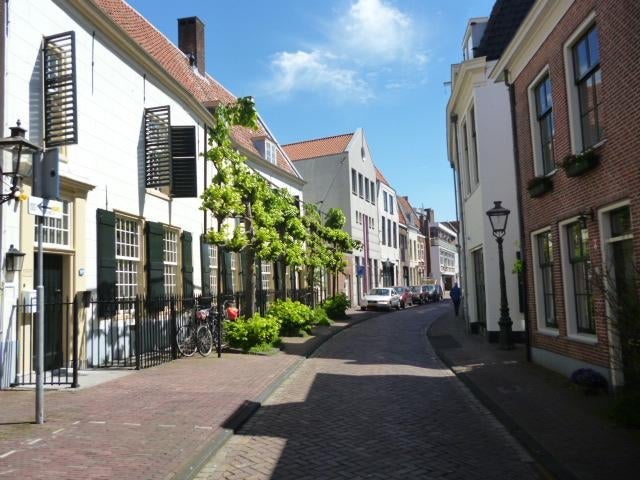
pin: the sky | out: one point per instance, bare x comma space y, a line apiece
319, 68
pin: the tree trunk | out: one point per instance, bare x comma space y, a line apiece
249, 283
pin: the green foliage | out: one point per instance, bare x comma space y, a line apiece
319, 316
257, 331
336, 307
295, 318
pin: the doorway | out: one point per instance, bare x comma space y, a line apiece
53, 298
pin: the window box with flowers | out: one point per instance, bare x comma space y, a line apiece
576, 165
538, 186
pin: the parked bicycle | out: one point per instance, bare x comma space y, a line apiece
206, 330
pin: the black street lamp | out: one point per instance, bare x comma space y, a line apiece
18, 146
498, 217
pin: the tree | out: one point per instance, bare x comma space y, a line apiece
268, 229
340, 243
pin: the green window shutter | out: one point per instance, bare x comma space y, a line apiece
228, 274
157, 146
183, 162
106, 223
155, 259
205, 267
187, 265
60, 92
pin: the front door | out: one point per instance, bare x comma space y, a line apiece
52, 281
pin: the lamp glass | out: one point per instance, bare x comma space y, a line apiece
14, 260
498, 217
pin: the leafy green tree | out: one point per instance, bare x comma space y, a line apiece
340, 243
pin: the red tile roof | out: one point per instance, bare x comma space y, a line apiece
320, 147
204, 88
381, 178
405, 206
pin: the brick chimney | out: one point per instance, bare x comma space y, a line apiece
191, 40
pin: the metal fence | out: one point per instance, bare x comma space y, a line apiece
128, 333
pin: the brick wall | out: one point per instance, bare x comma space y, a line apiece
618, 175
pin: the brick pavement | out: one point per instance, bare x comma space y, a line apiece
374, 402
151, 424
567, 431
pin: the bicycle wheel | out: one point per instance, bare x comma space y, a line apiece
204, 340
185, 339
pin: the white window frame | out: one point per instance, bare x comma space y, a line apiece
128, 257
354, 181
170, 260
213, 268
568, 287
265, 275
55, 227
538, 161
538, 286
270, 151
573, 101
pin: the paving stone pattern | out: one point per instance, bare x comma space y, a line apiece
373, 402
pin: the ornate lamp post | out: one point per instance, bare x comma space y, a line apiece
19, 148
498, 217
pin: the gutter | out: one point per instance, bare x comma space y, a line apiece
525, 287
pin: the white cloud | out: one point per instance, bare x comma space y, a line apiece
316, 71
375, 32
373, 39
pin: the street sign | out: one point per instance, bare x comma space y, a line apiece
45, 208
360, 270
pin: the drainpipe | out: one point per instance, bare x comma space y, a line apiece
514, 132
462, 257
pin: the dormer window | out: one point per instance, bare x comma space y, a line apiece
270, 151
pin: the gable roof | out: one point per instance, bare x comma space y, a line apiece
506, 17
319, 147
405, 206
204, 88
381, 178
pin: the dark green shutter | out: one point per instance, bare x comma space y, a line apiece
106, 222
60, 92
157, 146
205, 267
187, 265
155, 259
228, 274
183, 162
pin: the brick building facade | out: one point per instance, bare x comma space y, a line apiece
573, 67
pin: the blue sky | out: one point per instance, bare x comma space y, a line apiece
322, 68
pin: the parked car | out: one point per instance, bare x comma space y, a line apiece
432, 292
416, 295
405, 296
386, 298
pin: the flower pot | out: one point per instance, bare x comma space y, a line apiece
577, 165
539, 186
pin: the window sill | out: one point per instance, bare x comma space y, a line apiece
583, 338
548, 332
155, 193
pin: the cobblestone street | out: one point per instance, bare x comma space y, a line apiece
373, 402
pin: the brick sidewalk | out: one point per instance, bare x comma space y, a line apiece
151, 424
564, 429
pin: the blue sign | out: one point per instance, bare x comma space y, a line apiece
360, 269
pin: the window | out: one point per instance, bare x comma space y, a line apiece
545, 126
395, 236
56, 231
213, 268
465, 145
391, 204
354, 181
580, 280
386, 204
474, 146
366, 189
233, 272
621, 272
373, 193
389, 242
127, 258
170, 260
270, 151
384, 235
545, 291
588, 80
265, 275
360, 185
375, 274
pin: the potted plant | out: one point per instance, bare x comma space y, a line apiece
538, 186
575, 165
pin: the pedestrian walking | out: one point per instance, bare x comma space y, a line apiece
456, 295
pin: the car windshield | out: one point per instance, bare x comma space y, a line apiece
429, 288
379, 291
